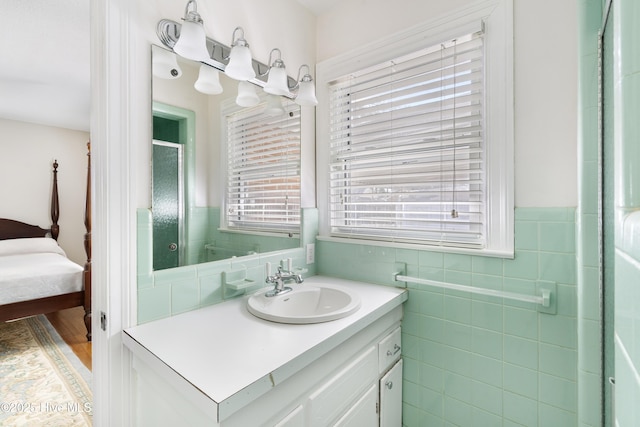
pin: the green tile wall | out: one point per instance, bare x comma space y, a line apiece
241, 244
478, 360
203, 229
173, 291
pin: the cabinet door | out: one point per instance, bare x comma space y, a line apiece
391, 397
293, 419
363, 412
338, 394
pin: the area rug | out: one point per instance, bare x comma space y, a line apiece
42, 383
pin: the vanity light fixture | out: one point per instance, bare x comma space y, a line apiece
240, 66
165, 65
192, 42
306, 89
277, 81
208, 80
274, 106
247, 96
223, 58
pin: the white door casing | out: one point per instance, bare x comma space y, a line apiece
113, 111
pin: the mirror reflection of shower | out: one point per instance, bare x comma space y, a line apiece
168, 204
196, 120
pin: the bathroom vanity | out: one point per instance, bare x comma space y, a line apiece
223, 366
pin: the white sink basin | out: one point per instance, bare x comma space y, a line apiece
305, 304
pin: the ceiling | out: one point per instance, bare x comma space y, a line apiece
318, 6
44, 46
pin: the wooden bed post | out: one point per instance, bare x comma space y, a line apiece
87, 248
55, 204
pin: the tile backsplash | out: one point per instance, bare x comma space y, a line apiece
168, 292
481, 360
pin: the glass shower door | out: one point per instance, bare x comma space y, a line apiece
168, 204
608, 218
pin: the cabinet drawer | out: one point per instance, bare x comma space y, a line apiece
389, 349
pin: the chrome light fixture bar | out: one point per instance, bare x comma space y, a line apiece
168, 32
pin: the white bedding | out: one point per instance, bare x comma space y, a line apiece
35, 268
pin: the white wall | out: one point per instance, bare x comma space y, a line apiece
545, 33
26, 164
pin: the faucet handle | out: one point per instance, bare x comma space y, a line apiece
267, 266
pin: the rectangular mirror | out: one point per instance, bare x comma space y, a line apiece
225, 177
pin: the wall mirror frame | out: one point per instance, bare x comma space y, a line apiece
188, 198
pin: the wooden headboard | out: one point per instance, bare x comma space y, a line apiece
12, 229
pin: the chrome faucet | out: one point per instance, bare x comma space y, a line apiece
280, 279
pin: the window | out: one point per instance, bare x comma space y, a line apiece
407, 147
419, 137
263, 169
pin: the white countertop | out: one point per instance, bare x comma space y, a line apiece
223, 350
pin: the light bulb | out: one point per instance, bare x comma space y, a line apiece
247, 96
208, 80
192, 43
165, 64
306, 93
240, 66
277, 81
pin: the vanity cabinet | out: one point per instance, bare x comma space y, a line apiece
350, 391
347, 390
347, 373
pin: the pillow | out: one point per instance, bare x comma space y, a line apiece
31, 245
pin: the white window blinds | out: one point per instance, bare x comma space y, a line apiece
263, 170
407, 148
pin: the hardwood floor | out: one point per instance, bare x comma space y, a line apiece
70, 325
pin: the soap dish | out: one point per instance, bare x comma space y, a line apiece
239, 285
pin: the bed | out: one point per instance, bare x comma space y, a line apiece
36, 277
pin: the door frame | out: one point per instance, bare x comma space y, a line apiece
114, 138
